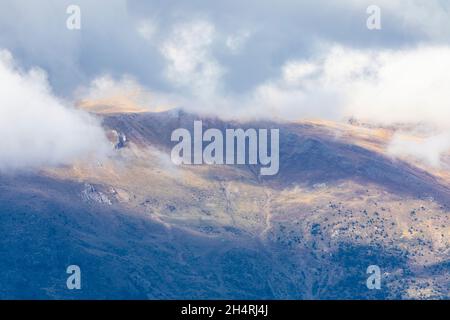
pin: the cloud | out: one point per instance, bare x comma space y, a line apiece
236, 42
429, 150
122, 37
385, 86
106, 90
36, 128
294, 72
190, 63
403, 86
106, 94
146, 29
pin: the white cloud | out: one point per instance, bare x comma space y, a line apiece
236, 42
403, 86
428, 150
146, 29
126, 94
294, 72
191, 64
106, 87
386, 86
36, 128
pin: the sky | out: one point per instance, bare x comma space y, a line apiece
256, 58
244, 43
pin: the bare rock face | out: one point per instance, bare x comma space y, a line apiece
118, 140
89, 193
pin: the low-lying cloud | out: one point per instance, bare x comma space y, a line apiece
428, 150
37, 128
386, 87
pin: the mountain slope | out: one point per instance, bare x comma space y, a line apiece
141, 227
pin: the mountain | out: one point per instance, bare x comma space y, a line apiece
141, 227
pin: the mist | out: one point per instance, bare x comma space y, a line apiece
38, 129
